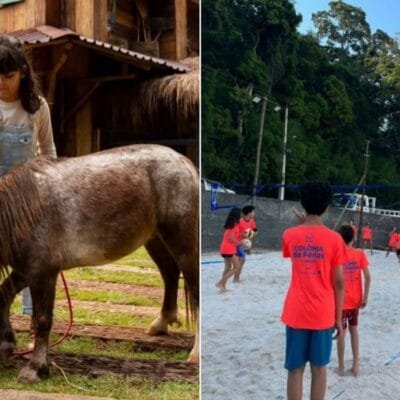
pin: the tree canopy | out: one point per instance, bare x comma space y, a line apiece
341, 84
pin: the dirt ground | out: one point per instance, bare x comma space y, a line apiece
173, 341
25, 395
95, 366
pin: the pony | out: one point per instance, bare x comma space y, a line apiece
91, 210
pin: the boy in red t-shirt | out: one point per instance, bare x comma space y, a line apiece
246, 222
313, 304
355, 297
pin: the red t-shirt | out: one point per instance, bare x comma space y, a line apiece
243, 225
315, 252
366, 233
393, 237
354, 263
227, 246
397, 241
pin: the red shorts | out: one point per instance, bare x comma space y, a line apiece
351, 316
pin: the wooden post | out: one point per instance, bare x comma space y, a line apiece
181, 29
53, 75
100, 23
84, 17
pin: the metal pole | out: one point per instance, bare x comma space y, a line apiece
259, 144
283, 181
360, 224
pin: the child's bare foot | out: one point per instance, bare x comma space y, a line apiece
340, 371
356, 369
221, 287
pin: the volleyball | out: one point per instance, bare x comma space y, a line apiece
246, 244
249, 233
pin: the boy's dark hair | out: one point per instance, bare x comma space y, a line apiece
13, 58
247, 209
233, 218
315, 197
347, 233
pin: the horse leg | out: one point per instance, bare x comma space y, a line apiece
185, 250
170, 274
43, 295
13, 284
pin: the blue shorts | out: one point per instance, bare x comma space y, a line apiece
304, 345
240, 252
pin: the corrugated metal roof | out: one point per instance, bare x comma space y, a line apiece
46, 34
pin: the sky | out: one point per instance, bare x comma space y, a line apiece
380, 14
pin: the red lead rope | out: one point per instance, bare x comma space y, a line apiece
67, 330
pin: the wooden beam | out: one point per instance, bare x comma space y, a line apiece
53, 75
81, 102
103, 79
181, 29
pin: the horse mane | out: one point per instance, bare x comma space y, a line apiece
20, 210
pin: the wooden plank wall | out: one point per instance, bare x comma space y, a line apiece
181, 29
24, 15
193, 28
162, 8
84, 17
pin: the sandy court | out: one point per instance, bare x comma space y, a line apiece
243, 339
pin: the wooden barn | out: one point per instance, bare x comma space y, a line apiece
114, 72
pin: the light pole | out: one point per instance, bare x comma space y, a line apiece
283, 180
257, 99
360, 223
259, 142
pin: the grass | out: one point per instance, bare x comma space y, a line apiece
108, 296
106, 386
108, 348
138, 259
109, 386
100, 275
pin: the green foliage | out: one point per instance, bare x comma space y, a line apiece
341, 84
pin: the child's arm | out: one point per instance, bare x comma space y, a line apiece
367, 283
339, 298
233, 240
299, 215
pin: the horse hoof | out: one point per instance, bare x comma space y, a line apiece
28, 375
193, 359
154, 331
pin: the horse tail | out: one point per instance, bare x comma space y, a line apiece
191, 302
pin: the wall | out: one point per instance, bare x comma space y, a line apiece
274, 216
23, 15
